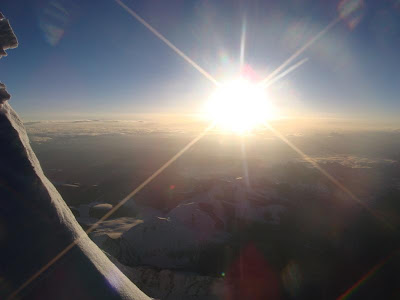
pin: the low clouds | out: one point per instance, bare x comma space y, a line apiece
352, 161
7, 38
90, 128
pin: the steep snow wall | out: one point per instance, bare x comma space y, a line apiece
36, 224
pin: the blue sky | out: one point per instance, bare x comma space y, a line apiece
87, 58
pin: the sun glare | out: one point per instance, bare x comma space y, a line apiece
239, 106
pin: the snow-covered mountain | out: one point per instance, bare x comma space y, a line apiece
177, 239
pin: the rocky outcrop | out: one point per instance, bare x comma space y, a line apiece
36, 226
8, 39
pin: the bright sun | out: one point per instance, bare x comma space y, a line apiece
239, 106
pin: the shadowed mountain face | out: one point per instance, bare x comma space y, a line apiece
36, 225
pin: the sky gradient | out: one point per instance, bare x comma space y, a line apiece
91, 58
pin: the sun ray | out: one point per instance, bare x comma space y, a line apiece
167, 42
367, 276
244, 162
243, 43
115, 208
154, 175
327, 175
300, 51
285, 73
